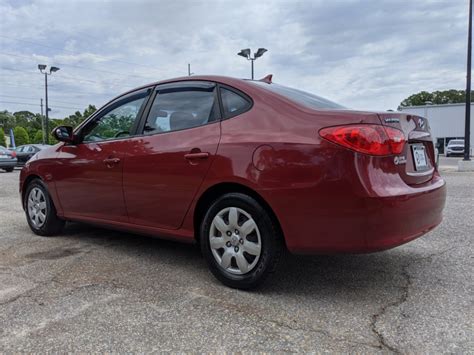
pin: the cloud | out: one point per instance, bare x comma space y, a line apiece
364, 54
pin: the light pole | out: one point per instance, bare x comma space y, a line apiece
467, 127
246, 54
42, 69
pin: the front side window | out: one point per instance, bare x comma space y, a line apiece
181, 108
116, 123
233, 103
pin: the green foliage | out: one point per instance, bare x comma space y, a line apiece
75, 119
38, 137
32, 124
3, 141
436, 98
21, 136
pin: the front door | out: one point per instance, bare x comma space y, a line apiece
166, 165
89, 174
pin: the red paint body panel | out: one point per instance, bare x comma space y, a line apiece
327, 199
159, 183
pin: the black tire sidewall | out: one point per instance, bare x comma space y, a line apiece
269, 236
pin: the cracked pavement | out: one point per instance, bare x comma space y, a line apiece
94, 290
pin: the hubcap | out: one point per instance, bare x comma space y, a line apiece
235, 240
36, 206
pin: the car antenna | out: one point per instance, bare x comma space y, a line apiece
267, 79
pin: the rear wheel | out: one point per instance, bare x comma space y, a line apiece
240, 241
8, 170
40, 210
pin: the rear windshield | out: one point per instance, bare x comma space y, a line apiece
456, 141
302, 97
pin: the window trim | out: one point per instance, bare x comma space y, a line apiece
178, 86
237, 92
132, 96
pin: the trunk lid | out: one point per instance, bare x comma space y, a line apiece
416, 164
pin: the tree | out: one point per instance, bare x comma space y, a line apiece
75, 119
3, 141
21, 136
7, 121
38, 137
436, 98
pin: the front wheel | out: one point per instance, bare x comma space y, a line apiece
240, 241
40, 210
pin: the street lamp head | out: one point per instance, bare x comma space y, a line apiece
53, 69
41, 66
245, 53
260, 52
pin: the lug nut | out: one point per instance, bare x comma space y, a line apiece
237, 232
229, 233
236, 249
228, 244
241, 241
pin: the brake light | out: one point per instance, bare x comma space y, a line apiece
366, 138
13, 154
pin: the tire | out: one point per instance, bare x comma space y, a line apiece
251, 253
37, 199
447, 155
8, 170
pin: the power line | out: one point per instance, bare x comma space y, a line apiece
78, 66
116, 84
72, 52
35, 98
31, 104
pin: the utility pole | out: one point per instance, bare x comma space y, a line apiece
189, 70
467, 127
42, 123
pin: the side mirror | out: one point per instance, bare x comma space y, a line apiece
64, 134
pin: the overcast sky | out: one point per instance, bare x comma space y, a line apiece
362, 54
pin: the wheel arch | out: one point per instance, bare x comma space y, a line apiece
215, 191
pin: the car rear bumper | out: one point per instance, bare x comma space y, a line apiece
349, 222
8, 163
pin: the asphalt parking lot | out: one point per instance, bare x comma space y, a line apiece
104, 291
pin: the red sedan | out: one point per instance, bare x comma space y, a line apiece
244, 168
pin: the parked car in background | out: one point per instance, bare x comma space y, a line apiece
245, 168
455, 147
25, 152
8, 159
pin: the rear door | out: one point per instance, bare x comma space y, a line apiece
165, 166
416, 164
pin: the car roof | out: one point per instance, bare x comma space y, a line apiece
236, 82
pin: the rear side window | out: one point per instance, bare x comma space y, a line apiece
181, 108
233, 103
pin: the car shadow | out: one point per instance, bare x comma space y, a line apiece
296, 275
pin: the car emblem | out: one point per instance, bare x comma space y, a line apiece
421, 122
400, 160
392, 120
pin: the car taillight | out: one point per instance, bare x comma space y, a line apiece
13, 154
366, 138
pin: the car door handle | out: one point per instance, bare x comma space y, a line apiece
196, 156
111, 161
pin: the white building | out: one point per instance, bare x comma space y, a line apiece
446, 121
